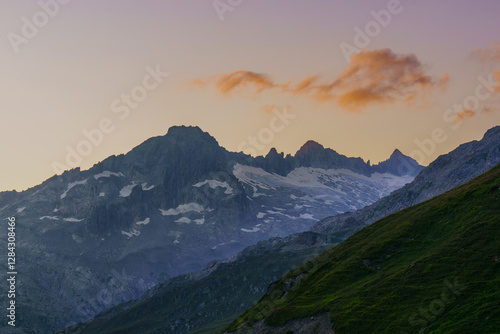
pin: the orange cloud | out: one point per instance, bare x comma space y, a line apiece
443, 82
270, 108
491, 54
228, 83
379, 77
496, 74
489, 109
467, 113
376, 77
198, 83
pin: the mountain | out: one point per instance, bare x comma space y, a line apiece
208, 305
398, 164
446, 172
92, 239
313, 154
433, 268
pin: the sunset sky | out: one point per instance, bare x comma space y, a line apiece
423, 80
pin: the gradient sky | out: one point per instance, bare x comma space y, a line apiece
65, 78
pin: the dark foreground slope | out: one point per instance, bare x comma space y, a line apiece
434, 266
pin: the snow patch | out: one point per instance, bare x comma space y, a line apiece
143, 222
107, 173
21, 209
49, 217
102, 194
280, 213
186, 220
260, 215
253, 176
71, 185
223, 244
214, 184
72, 220
132, 233
307, 216
145, 188
183, 208
255, 229
127, 190
200, 221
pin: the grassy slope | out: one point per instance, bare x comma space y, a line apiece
391, 276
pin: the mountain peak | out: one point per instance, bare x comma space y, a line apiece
272, 152
182, 129
399, 164
494, 131
309, 146
396, 153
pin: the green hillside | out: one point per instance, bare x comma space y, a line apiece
432, 268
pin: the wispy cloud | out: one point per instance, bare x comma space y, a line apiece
496, 74
271, 108
489, 109
491, 54
467, 113
372, 78
229, 83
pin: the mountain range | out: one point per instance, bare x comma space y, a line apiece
212, 298
92, 239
